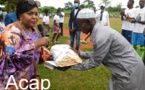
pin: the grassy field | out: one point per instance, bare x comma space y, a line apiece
93, 79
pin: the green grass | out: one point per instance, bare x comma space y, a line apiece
87, 49
116, 24
93, 79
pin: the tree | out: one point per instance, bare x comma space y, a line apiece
10, 5
115, 9
43, 9
68, 5
106, 2
118, 7
88, 4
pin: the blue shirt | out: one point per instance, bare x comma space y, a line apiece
10, 18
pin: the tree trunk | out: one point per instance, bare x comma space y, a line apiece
9, 5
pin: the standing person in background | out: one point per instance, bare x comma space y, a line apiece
1, 11
61, 21
73, 26
4, 15
2, 25
139, 24
46, 23
49, 14
127, 26
56, 28
102, 16
10, 18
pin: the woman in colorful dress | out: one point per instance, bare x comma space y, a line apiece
22, 46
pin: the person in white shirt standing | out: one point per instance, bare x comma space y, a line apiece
56, 28
46, 23
102, 16
127, 26
61, 16
139, 20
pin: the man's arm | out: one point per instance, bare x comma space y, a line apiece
86, 55
141, 22
70, 21
101, 49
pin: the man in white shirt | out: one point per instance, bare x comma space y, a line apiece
46, 23
139, 21
61, 20
127, 26
102, 16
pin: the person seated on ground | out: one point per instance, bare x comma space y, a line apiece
22, 46
112, 50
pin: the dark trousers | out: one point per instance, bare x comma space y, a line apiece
61, 27
128, 35
75, 34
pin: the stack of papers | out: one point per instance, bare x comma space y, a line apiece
50, 65
63, 56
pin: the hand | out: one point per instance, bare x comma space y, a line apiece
41, 42
63, 68
132, 20
122, 13
50, 58
46, 54
72, 30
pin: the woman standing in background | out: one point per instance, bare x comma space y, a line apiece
56, 28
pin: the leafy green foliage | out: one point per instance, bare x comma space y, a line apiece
106, 2
68, 6
114, 9
10, 5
